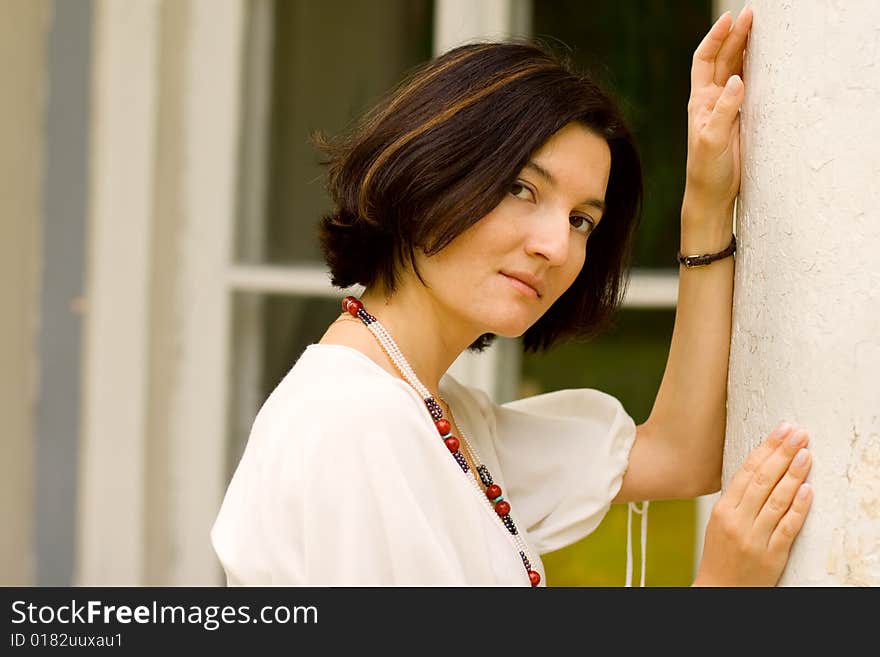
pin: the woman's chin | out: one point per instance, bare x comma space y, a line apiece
514, 328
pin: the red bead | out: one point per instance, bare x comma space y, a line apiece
493, 491
443, 426
502, 508
452, 444
352, 305
534, 577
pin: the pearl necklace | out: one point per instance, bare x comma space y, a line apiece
492, 495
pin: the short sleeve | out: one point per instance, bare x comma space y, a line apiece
563, 455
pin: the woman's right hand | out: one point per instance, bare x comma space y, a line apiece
755, 521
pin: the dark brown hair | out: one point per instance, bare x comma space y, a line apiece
442, 150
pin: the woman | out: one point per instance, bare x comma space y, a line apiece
496, 192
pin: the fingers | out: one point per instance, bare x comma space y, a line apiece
703, 66
725, 113
781, 498
740, 481
729, 59
792, 522
769, 473
720, 53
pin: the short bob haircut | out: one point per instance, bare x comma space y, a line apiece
442, 150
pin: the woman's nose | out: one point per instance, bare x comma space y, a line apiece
549, 236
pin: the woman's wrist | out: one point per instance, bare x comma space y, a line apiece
705, 227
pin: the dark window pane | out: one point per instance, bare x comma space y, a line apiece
642, 51
292, 324
333, 60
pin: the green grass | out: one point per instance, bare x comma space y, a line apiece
600, 558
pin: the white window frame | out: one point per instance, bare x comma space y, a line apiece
121, 540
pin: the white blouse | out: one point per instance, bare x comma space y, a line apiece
345, 480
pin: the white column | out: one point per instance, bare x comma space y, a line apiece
806, 322
165, 134
210, 123
110, 541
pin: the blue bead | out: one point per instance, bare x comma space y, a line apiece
498, 499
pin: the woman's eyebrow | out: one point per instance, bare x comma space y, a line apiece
546, 175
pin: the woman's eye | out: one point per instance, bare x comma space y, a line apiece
521, 191
582, 224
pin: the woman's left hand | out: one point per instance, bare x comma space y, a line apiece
717, 91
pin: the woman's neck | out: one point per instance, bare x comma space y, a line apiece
423, 332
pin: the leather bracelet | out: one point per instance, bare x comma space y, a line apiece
705, 259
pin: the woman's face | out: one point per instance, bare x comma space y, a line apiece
541, 228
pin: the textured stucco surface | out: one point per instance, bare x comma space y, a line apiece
806, 321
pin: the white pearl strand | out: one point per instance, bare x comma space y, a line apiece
391, 348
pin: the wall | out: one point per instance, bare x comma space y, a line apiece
806, 324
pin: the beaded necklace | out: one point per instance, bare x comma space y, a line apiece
492, 494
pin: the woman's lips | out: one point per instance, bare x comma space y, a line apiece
527, 290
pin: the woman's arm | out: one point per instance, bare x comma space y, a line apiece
678, 449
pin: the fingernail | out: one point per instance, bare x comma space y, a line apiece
797, 438
801, 459
782, 430
803, 491
733, 81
